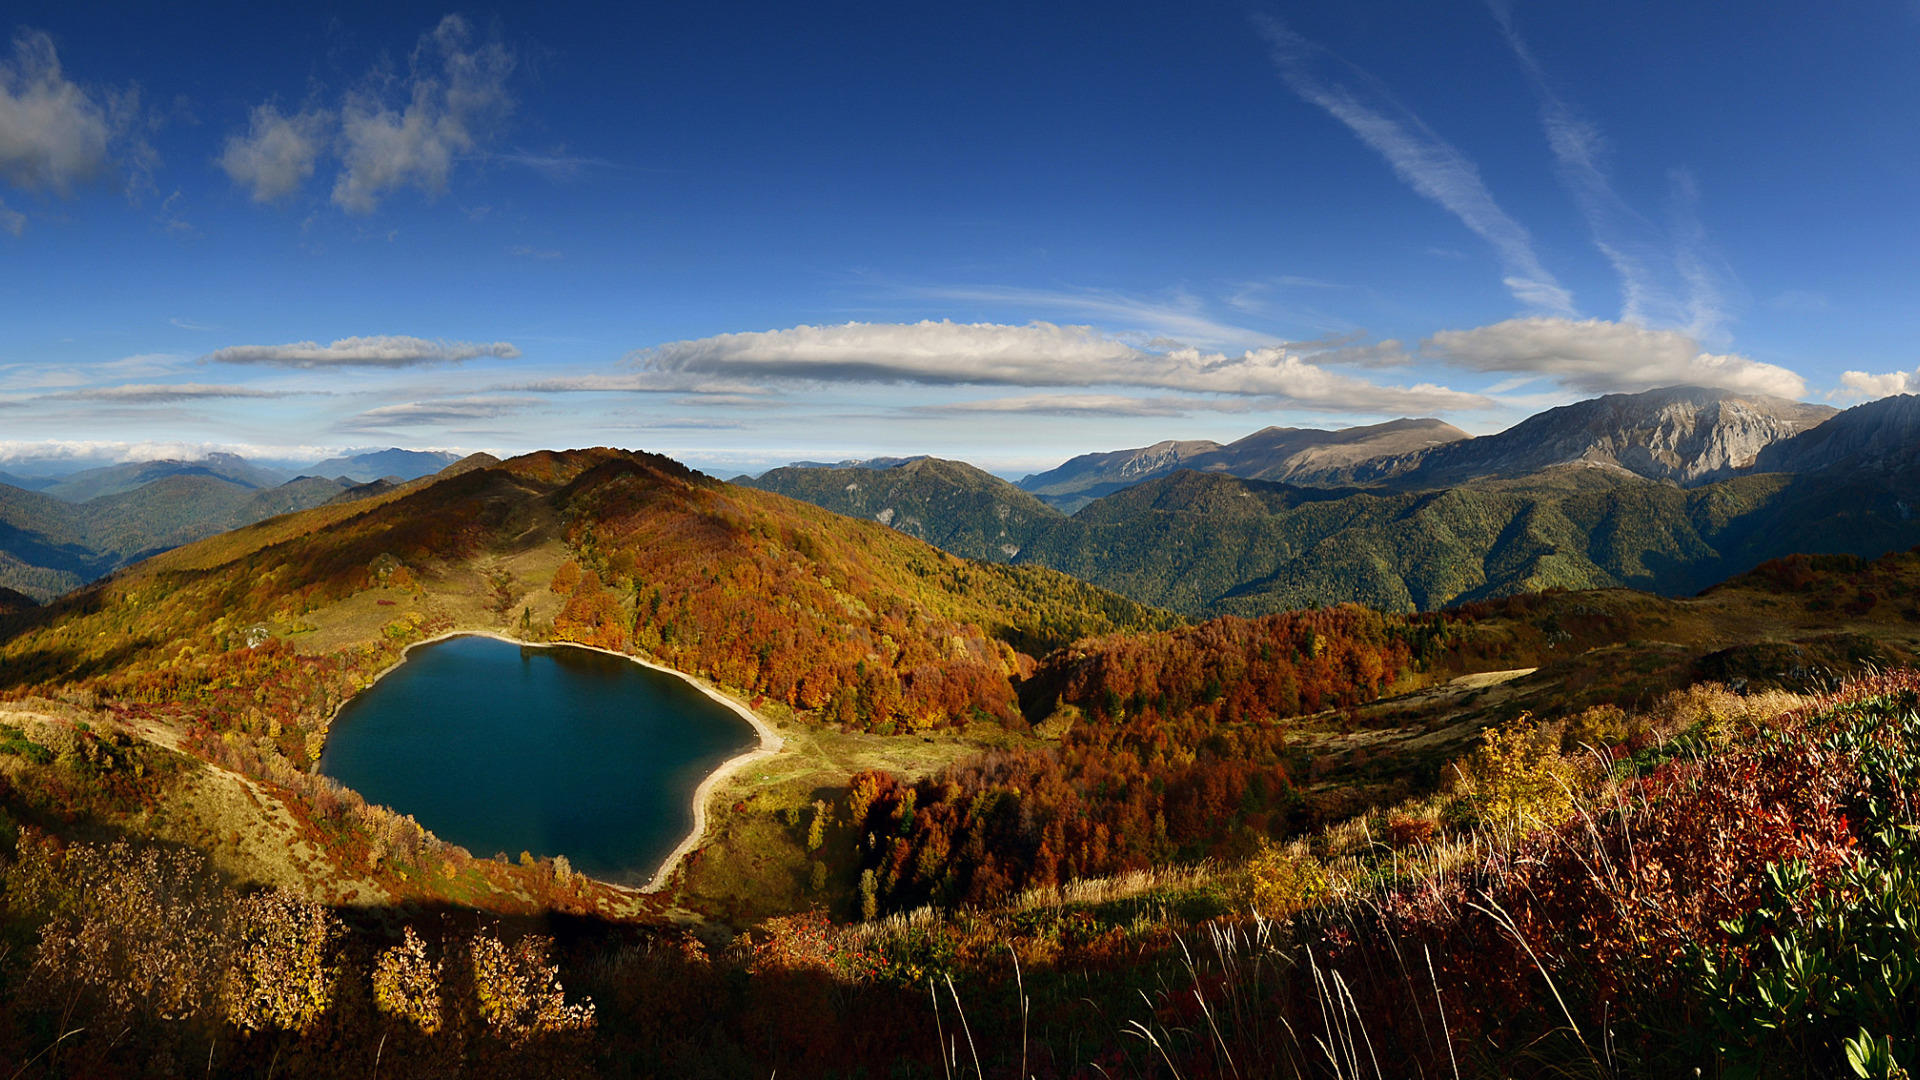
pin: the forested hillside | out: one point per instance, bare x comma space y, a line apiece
49, 545
1210, 544
1619, 490
949, 504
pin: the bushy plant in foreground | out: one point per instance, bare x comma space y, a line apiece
1820, 972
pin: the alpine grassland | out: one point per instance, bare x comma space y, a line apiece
1020, 826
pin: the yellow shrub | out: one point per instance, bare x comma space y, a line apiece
278, 975
1517, 779
519, 993
407, 985
1280, 884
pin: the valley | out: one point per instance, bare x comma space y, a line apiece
61, 531
975, 755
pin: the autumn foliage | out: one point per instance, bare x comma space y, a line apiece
1175, 747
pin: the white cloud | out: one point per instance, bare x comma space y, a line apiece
1038, 354
83, 452
442, 411
161, 393
1597, 356
642, 382
276, 155
446, 114
1424, 161
1079, 405
385, 351
53, 133
12, 221
1860, 385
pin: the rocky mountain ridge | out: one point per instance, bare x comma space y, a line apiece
1689, 435
1290, 455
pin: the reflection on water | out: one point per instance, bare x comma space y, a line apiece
556, 751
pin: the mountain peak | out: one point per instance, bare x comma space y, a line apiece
950, 504
1687, 434
1879, 435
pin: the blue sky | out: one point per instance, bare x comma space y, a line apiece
746, 233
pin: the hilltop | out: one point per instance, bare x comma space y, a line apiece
949, 504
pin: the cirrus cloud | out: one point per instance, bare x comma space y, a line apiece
1424, 161
1598, 356
164, 393
1039, 354
437, 411
378, 351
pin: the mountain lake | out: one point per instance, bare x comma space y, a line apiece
553, 750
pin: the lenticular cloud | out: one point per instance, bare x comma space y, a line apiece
1039, 354
380, 351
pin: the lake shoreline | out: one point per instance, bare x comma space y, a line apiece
770, 741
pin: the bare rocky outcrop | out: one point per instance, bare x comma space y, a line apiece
1689, 435
1879, 436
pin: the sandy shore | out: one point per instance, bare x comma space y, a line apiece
770, 740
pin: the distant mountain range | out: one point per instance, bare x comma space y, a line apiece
1669, 490
1288, 455
390, 464
64, 531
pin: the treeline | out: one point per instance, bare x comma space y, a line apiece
1177, 749
1230, 669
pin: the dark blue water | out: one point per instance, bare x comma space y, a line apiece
557, 751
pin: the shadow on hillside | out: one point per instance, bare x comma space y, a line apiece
663, 1005
63, 663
